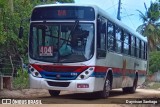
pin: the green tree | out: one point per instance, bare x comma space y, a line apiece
154, 62
150, 27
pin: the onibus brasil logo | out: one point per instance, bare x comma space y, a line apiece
20, 101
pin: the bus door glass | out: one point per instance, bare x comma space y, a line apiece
101, 38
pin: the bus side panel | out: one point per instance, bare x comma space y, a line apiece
123, 69
114, 61
141, 67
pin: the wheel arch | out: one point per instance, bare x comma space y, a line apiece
136, 75
110, 74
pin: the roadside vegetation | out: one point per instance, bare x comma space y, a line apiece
154, 62
21, 81
151, 29
151, 85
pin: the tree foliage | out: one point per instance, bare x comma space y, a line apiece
154, 60
151, 25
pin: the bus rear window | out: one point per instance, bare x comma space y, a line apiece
63, 13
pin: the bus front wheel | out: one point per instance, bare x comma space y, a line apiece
54, 93
106, 89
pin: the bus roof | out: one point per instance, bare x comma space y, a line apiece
65, 4
102, 12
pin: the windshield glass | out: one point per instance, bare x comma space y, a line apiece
61, 42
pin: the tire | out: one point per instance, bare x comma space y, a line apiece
131, 89
54, 93
106, 89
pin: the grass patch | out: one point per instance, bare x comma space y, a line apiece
153, 85
22, 80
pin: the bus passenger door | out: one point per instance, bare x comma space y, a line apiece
101, 39
101, 53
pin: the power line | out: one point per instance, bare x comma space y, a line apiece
112, 6
129, 17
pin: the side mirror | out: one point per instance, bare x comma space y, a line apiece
20, 32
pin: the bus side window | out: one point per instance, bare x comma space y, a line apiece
110, 36
101, 37
142, 49
138, 47
118, 39
126, 43
133, 44
146, 53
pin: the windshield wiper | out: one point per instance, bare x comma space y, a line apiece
72, 31
74, 27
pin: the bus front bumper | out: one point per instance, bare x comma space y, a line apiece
86, 85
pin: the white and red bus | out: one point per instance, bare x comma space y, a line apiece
82, 48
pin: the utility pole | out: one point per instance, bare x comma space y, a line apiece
119, 10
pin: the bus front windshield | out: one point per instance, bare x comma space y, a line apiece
61, 42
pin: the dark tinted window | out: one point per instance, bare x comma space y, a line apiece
137, 47
111, 35
101, 35
126, 43
142, 49
53, 42
118, 37
146, 50
133, 46
63, 13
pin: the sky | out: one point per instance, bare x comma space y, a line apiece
129, 13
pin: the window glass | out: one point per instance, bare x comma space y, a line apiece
102, 41
118, 34
146, 51
54, 42
126, 43
137, 47
110, 36
101, 36
142, 50
132, 45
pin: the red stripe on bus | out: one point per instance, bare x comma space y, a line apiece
51, 68
63, 68
118, 70
36, 67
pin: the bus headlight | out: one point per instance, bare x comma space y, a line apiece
34, 72
85, 74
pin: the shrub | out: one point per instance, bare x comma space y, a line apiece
154, 62
22, 80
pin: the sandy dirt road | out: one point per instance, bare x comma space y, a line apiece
116, 96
